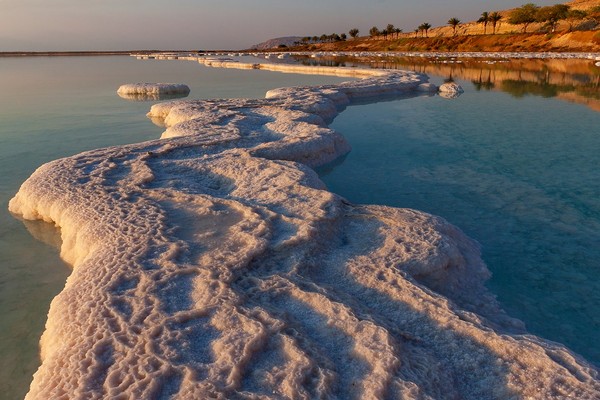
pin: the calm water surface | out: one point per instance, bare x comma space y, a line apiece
51, 107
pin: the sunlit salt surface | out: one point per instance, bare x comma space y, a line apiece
152, 91
208, 265
53, 107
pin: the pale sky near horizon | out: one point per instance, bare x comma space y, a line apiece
53, 25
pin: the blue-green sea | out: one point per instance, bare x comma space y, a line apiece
513, 162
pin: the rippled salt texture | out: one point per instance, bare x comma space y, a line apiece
213, 264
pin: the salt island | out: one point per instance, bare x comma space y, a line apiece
152, 91
153, 88
213, 263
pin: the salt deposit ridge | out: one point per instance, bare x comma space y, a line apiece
386, 54
213, 263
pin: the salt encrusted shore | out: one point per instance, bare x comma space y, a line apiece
383, 54
214, 263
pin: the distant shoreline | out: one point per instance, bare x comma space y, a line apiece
323, 49
81, 53
62, 53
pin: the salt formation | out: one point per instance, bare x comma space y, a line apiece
215, 264
152, 91
444, 55
450, 90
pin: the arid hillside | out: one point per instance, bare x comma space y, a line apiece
579, 41
569, 35
475, 28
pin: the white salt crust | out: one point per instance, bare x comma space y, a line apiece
153, 88
214, 264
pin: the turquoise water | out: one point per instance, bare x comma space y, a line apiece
53, 107
519, 175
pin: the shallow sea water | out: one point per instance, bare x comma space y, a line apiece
518, 174
53, 107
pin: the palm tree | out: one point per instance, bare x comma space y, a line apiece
374, 32
425, 27
485, 18
417, 31
495, 17
398, 32
353, 32
453, 22
390, 30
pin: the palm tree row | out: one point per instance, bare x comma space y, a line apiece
334, 37
424, 27
524, 15
490, 18
390, 30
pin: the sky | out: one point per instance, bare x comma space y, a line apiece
63, 25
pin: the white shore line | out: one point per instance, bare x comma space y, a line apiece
294, 68
215, 264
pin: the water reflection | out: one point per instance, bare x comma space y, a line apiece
151, 96
576, 81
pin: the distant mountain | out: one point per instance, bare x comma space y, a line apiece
274, 43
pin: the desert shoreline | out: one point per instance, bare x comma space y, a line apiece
426, 54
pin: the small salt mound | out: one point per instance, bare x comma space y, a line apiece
450, 90
451, 87
153, 88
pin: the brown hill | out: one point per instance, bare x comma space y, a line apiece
579, 41
584, 37
475, 28
276, 43
583, 4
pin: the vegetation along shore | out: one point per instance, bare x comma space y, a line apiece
574, 26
